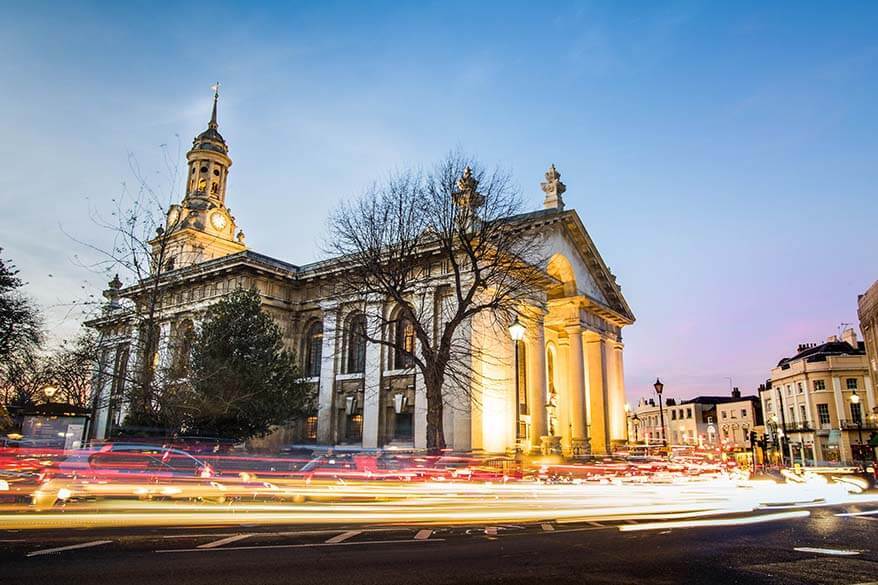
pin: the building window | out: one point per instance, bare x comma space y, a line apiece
768, 404
856, 413
522, 379
819, 385
725, 414
313, 349
743, 413
789, 390
823, 414
356, 344
688, 413
792, 414
673, 415
404, 344
354, 430
311, 428
851, 383
804, 413
801, 388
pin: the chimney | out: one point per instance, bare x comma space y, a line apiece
832, 339
850, 336
736, 393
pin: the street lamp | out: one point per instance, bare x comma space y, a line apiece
516, 332
855, 399
658, 390
635, 422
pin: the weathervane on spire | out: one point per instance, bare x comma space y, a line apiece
215, 87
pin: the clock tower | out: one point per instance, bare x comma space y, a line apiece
201, 227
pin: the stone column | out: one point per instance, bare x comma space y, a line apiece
576, 387
870, 397
536, 383
326, 389
563, 389
596, 352
372, 376
615, 393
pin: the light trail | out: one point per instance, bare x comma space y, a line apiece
694, 502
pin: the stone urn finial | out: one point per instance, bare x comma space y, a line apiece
553, 188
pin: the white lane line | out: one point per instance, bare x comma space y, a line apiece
343, 536
226, 540
423, 534
827, 551
866, 513
714, 523
312, 545
548, 527
491, 531
48, 551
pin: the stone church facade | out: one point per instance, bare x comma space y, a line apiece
570, 377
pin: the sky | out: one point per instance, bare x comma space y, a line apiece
723, 156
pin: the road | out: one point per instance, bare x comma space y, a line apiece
836, 547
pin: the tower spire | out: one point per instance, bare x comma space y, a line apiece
213, 123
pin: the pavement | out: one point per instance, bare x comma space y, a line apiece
822, 545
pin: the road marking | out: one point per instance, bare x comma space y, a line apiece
828, 551
48, 551
866, 513
312, 545
714, 523
226, 540
423, 534
491, 530
548, 527
343, 536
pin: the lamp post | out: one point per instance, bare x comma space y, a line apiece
516, 332
627, 415
659, 387
635, 422
855, 399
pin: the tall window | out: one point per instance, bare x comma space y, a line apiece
856, 413
851, 383
404, 342
522, 379
313, 349
356, 344
804, 413
823, 413
819, 385
183, 350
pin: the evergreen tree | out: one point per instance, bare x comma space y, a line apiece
20, 322
243, 380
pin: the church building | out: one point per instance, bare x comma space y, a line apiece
569, 387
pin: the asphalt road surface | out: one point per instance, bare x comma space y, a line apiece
829, 546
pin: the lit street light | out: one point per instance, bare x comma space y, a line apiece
855, 399
658, 390
49, 391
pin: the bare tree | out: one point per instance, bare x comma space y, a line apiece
141, 249
469, 220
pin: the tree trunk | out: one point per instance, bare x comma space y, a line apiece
435, 430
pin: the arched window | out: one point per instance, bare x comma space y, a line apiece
355, 343
185, 338
404, 344
313, 349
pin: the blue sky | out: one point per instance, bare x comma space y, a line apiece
722, 155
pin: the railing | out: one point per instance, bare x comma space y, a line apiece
865, 424
798, 427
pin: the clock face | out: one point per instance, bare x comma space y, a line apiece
218, 220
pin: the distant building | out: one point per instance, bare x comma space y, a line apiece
704, 421
821, 400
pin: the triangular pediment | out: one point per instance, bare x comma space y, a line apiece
574, 255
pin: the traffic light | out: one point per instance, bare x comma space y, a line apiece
752, 438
